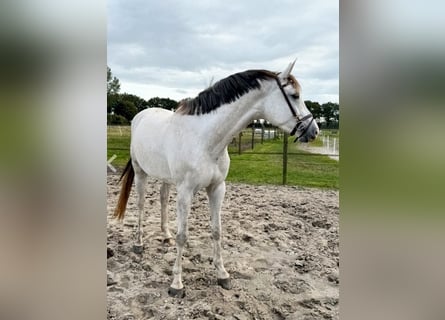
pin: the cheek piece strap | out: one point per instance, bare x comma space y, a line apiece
299, 120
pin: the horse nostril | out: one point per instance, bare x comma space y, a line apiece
314, 135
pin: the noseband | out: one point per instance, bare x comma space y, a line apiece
299, 120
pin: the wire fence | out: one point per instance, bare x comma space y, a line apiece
328, 142
247, 139
258, 144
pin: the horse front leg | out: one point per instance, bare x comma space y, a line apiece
165, 192
183, 204
216, 196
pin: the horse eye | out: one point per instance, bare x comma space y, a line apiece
296, 96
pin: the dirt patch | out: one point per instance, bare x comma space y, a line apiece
319, 150
280, 246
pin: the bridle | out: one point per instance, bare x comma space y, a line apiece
294, 113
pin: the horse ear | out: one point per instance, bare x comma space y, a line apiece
285, 74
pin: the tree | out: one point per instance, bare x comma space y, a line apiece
315, 109
113, 85
330, 113
115, 119
336, 112
165, 103
140, 103
326, 115
126, 109
112, 101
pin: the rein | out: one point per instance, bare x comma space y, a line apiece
299, 120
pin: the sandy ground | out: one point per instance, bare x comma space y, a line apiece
320, 150
280, 245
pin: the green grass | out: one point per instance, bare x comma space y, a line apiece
118, 143
332, 133
303, 169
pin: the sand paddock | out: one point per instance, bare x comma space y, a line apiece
280, 246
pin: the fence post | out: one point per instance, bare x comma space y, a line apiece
285, 145
262, 133
239, 142
327, 144
253, 136
334, 148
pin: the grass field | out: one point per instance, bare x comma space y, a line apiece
304, 169
263, 166
331, 133
118, 143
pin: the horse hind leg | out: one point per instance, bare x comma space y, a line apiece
183, 204
216, 196
165, 192
140, 180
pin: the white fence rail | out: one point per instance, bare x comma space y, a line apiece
330, 145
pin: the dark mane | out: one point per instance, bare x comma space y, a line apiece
224, 91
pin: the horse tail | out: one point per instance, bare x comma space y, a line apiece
127, 178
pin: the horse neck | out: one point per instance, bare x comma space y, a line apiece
228, 120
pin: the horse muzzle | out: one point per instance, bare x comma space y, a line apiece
306, 129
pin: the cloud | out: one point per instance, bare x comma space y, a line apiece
180, 46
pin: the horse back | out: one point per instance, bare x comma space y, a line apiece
171, 147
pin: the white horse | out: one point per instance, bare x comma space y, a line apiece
188, 148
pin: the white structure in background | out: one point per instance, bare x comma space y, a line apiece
330, 145
267, 133
109, 165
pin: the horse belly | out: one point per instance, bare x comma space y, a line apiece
200, 171
153, 163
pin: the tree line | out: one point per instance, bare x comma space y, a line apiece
122, 107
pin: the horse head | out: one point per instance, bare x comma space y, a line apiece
286, 109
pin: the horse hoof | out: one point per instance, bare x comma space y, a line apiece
225, 283
176, 293
138, 248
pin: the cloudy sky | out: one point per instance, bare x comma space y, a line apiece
175, 49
